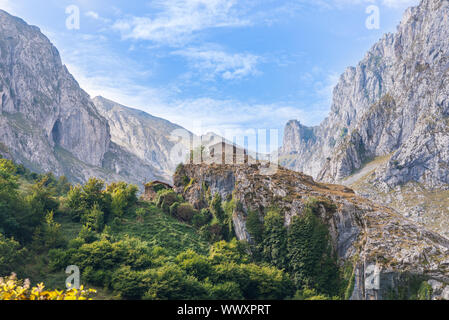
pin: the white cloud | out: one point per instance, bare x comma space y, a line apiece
94, 15
178, 20
218, 63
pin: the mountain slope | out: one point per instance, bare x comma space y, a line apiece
394, 104
47, 122
368, 239
147, 137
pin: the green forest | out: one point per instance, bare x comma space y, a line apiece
127, 248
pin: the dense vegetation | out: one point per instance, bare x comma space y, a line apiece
303, 250
132, 249
125, 247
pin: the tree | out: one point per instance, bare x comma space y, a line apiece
12, 255
16, 218
75, 202
94, 218
233, 251
81, 200
312, 261
124, 197
52, 235
42, 199
63, 186
254, 226
170, 282
119, 203
274, 244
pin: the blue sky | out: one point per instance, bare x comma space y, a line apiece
214, 65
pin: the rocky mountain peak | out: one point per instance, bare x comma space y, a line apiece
388, 104
39, 97
388, 128
48, 123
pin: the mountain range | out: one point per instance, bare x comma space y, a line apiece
386, 138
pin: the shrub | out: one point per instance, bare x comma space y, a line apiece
225, 291
174, 209
87, 235
310, 294
255, 282
212, 232
165, 199
233, 251
170, 282
201, 218
216, 208
194, 264
129, 284
13, 289
141, 213
185, 212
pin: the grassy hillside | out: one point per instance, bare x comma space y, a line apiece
125, 248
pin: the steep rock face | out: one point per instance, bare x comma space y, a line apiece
377, 240
41, 105
396, 101
47, 122
149, 138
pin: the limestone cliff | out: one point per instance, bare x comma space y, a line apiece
393, 106
147, 137
374, 239
395, 101
47, 122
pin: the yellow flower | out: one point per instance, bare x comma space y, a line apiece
15, 290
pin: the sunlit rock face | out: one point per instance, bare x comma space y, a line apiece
394, 102
149, 138
47, 122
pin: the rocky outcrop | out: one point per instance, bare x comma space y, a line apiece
387, 252
395, 101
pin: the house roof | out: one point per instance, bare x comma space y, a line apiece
150, 184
